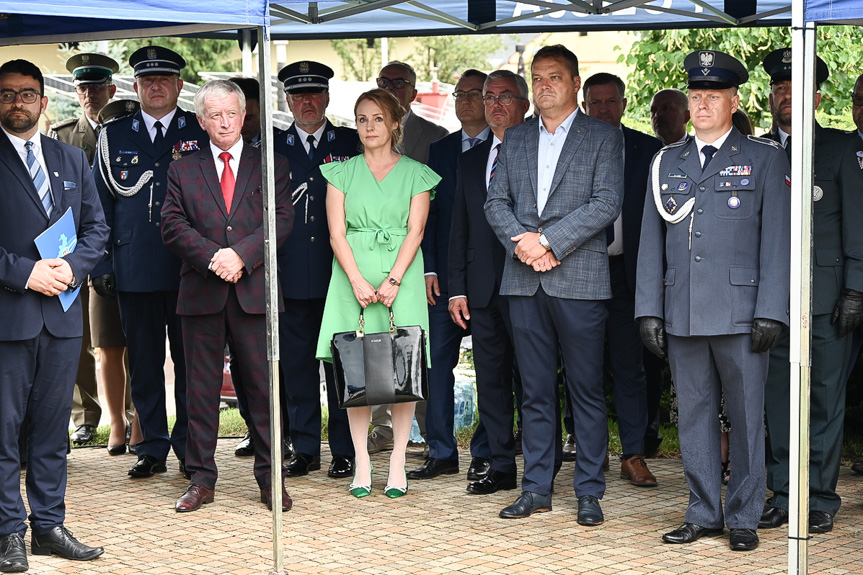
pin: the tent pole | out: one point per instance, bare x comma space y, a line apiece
803, 118
272, 292
246, 49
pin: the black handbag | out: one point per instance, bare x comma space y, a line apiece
380, 368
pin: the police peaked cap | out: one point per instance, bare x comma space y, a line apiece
714, 70
306, 76
156, 61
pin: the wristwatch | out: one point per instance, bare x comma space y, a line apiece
395, 282
74, 284
543, 241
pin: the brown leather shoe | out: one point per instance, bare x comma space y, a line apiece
267, 497
635, 470
193, 498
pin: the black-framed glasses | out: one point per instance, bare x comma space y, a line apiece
396, 83
467, 96
504, 99
84, 88
27, 96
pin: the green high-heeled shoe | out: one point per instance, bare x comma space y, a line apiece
393, 492
359, 491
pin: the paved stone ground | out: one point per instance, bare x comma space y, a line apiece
437, 528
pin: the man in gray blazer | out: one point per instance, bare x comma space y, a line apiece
557, 186
718, 213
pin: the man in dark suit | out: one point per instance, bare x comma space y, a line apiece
558, 185
131, 175
418, 134
713, 272
213, 219
305, 265
604, 99
443, 159
39, 341
837, 309
476, 261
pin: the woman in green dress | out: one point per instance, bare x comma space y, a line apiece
377, 206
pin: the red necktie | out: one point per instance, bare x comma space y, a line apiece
228, 182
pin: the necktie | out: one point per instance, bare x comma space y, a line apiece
788, 148
494, 163
160, 137
708, 152
228, 182
472, 142
40, 180
311, 141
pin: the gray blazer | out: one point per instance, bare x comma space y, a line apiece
419, 133
738, 266
585, 197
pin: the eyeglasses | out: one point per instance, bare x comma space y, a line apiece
504, 99
467, 96
27, 96
84, 88
396, 83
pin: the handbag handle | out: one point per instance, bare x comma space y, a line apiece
362, 330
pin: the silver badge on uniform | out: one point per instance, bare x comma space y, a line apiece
706, 59
663, 187
733, 202
682, 186
135, 160
817, 193
670, 205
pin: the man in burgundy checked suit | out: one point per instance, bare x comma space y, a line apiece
213, 220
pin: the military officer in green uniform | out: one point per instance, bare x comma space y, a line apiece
92, 74
837, 308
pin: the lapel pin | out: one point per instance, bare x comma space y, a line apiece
56, 175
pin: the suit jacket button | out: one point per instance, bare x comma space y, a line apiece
311, 198
701, 189
311, 239
699, 211
158, 224
698, 258
158, 204
697, 234
230, 229
156, 165
311, 178
311, 218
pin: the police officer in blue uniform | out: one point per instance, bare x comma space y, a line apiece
131, 171
718, 213
305, 263
837, 309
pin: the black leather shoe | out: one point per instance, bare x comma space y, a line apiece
434, 467
301, 464
526, 504
287, 449
743, 540
13, 554
589, 511
857, 468
183, 471
820, 521
341, 467
493, 481
147, 466
84, 434
59, 541
245, 448
689, 533
772, 518
479, 466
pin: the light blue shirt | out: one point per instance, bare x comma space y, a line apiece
548, 153
481, 137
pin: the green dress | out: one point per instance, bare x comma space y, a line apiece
376, 215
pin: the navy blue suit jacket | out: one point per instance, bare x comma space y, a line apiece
476, 257
639, 151
443, 159
306, 257
25, 312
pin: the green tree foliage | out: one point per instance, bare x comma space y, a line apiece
452, 55
361, 58
657, 62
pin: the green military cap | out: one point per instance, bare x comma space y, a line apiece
90, 68
118, 109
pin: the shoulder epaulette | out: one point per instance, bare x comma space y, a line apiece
64, 124
677, 144
765, 141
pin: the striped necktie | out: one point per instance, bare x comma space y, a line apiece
494, 163
40, 180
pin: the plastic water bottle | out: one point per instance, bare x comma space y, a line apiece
464, 408
416, 436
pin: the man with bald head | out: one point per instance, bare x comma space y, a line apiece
669, 114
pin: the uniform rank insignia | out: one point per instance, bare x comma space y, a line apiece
124, 174
332, 158
290, 141
331, 135
736, 171
673, 175
860, 159
136, 125
670, 205
181, 122
682, 186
